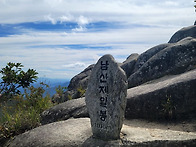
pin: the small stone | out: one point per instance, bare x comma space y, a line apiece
106, 98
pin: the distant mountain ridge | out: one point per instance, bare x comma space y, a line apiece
52, 83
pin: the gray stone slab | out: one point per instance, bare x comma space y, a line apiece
150, 101
106, 98
77, 132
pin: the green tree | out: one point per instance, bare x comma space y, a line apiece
13, 77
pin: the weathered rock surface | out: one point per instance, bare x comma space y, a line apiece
106, 98
56, 98
78, 81
145, 101
73, 108
77, 132
144, 57
174, 59
183, 33
171, 97
181, 54
134, 63
72, 132
129, 64
81, 79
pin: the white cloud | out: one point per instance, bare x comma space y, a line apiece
34, 51
171, 3
79, 29
52, 20
130, 11
65, 18
41, 51
82, 21
75, 65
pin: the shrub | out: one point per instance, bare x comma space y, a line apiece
169, 108
22, 113
60, 90
81, 91
34, 98
13, 77
69, 97
18, 122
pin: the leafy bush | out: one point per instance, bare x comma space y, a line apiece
81, 91
13, 77
22, 113
18, 122
60, 90
34, 98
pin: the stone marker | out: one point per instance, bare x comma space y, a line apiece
106, 98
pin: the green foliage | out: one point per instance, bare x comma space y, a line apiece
14, 77
169, 108
34, 98
18, 122
195, 5
60, 90
69, 97
22, 113
81, 91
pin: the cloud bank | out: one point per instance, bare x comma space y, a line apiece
59, 38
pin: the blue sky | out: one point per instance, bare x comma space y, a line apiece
59, 38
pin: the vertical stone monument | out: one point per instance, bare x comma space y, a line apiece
106, 98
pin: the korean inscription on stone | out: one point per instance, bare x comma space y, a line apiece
106, 98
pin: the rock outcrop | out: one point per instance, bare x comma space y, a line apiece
75, 108
78, 81
182, 44
183, 33
77, 133
174, 59
81, 79
156, 62
170, 97
129, 64
144, 57
72, 132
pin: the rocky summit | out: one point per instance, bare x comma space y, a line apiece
172, 58
160, 109
167, 98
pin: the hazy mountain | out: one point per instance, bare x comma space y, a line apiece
53, 84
